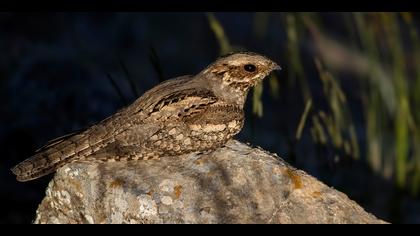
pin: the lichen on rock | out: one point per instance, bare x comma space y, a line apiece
234, 184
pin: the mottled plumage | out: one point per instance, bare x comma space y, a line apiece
181, 115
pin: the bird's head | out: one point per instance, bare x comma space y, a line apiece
241, 71
233, 75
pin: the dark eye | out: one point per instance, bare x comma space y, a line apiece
249, 67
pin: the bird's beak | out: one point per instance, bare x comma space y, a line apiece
274, 66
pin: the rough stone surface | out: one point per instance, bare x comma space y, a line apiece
235, 184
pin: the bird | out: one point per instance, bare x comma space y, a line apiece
187, 114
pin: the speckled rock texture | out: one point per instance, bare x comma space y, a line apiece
234, 184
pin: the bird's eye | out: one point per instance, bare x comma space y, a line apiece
249, 67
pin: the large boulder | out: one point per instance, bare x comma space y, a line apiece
234, 184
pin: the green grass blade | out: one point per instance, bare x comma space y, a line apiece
303, 119
219, 32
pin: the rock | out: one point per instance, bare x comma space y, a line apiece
234, 184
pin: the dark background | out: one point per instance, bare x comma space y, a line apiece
61, 72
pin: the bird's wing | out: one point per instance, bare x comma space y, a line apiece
58, 140
170, 110
184, 102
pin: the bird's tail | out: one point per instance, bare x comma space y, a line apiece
35, 167
52, 156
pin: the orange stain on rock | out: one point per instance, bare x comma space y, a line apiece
316, 194
177, 191
296, 179
116, 183
150, 193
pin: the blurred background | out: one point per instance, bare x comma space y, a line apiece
345, 108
